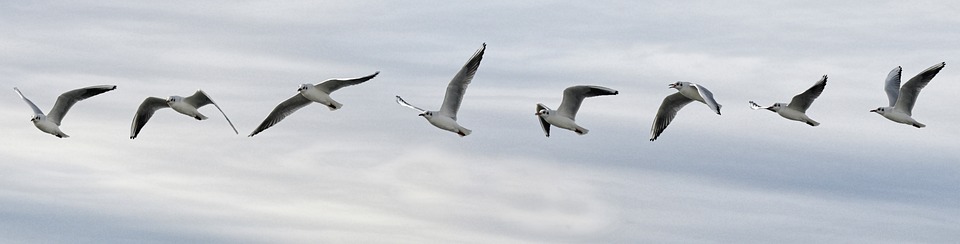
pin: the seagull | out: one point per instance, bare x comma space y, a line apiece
51, 123
797, 108
565, 116
184, 105
903, 98
446, 118
686, 92
309, 93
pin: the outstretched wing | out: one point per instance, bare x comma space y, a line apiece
911, 89
200, 99
36, 110
892, 85
147, 107
573, 96
282, 110
405, 104
708, 98
458, 85
668, 110
543, 122
801, 102
331, 85
67, 99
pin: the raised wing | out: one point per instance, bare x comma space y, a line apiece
405, 104
803, 100
708, 98
573, 96
892, 85
36, 110
67, 99
458, 85
668, 110
200, 99
911, 89
147, 107
331, 85
282, 110
543, 122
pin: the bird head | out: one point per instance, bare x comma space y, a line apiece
543, 112
776, 107
303, 87
881, 110
173, 99
37, 118
427, 114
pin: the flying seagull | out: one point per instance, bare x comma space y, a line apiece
446, 118
50, 123
686, 92
903, 98
797, 108
309, 93
184, 105
565, 116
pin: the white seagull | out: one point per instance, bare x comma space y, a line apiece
797, 108
309, 93
686, 92
446, 118
184, 105
565, 116
51, 123
903, 98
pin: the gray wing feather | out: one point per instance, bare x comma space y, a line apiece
892, 85
573, 97
803, 100
543, 122
405, 104
458, 85
668, 110
36, 110
331, 85
282, 110
147, 107
200, 99
708, 98
911, 89
68, 99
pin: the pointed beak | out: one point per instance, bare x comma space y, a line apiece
421, 115
672, 85
771, 109
874, 111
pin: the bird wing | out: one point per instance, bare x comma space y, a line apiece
282, 110
458, 85
543, 122
803, 100
36, 110
708, 97
892, 85
573, 96
668, 110
405, 104
200, 99
147, 107
911, 89
67, 99
331, 85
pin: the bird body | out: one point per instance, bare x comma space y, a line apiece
446, 117
50, 122
315, 95
185, 105
565, 116
177, 104
797, 108
902, 99
686, 92
45, 125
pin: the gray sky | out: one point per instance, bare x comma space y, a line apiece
375, 172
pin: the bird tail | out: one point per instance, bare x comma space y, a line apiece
581, 131
919, 125
200, 117
334, 105
464, 132
812, 123
60, 134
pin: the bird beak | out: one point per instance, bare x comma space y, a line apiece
672, 86
421, 115
874, 111
771, 109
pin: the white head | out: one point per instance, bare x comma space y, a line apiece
38, 117
173, 99
882, 110
543, 113
304, 87
679, 84
427, 114
777, 106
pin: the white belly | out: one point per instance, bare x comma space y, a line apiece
186, 109
49, 127
562, 122
792, 114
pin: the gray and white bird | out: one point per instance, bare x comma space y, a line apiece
686, 92
565, 116
307, 94
903, 98
446, 117
50, 123
184, 105
797, 108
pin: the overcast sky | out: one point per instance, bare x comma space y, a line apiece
374, 171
